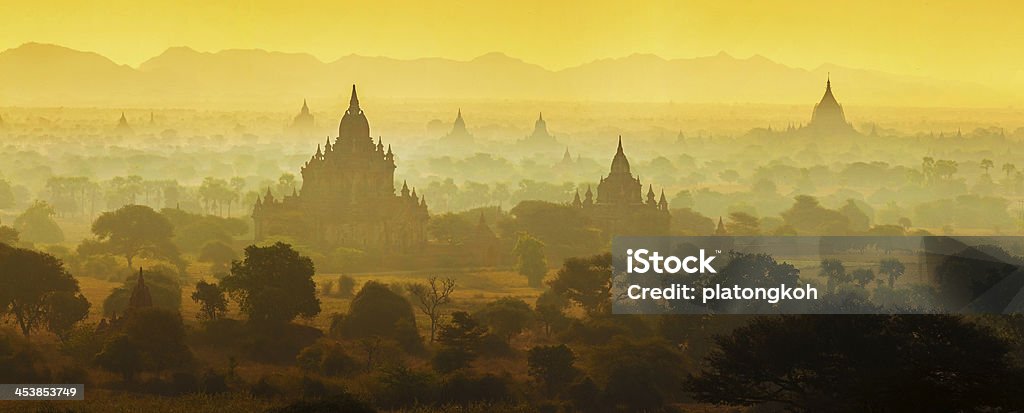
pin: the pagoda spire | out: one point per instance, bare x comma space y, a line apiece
353, 102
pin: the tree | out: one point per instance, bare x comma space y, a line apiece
531, 262
461, 339
506, 316
273, 284
219, 255
586, 281
133, 231
808, 217
120, 355
859, 220
430, 297
211, 300
553, 367
987, 164
742, 223
36, 224
346, 286
29, 280
377, 311
550, 309
892, 268
833, 270
153, 339
863, 276
856, 363
65, 309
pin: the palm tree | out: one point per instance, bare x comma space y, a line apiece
893, 268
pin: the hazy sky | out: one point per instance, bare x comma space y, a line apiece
965, 40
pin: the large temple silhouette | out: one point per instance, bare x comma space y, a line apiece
828, 117
620, 207
347, 197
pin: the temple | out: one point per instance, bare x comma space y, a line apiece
620, 207
828, 117
347, 197
303, 123
123, 128
459, 134
140, 297
540, 139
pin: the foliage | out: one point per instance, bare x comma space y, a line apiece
552, 366
586, 281
506, 317
212, 302
133, 231
378, 311
531, 263
36, 224
860, 363
37, 291
273, 284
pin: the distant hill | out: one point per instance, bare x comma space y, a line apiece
49, 75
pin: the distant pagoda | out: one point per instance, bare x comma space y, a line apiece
540, 139
828, 117
459, 134
303, 123
123, 128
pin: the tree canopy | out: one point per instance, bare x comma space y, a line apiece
273, 284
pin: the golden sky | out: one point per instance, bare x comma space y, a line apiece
958, 40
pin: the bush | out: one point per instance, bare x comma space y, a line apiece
403, 387
342, 402
378, 311
212, 382
327, 358
450, 359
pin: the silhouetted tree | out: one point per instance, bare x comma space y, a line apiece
550, 310
460, 340
219, 255
133, 231
430, 297
346, 286
586, 281
531, 263
65, 309
857, 363
506, 317
32, 291
834, 271
862, 276
891, 268
377, 311
212, 302
552, 366
273, 284
153, 339
36, 224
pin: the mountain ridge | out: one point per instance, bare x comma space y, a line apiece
45, 74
